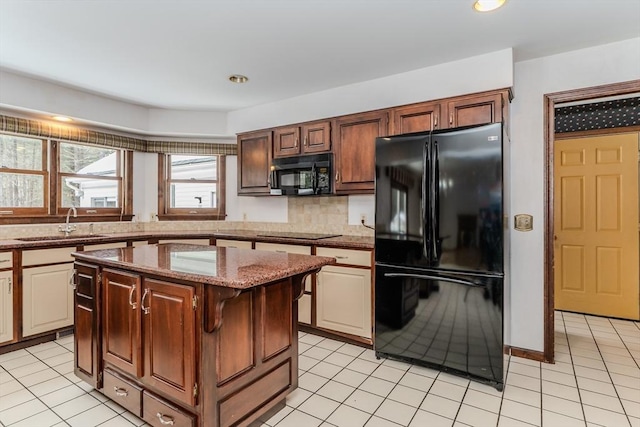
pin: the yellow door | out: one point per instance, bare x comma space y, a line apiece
596, 225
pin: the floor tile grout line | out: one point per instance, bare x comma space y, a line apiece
625, 346
624, 410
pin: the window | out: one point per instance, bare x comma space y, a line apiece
89, 177
194, 185
23, 175
43, 179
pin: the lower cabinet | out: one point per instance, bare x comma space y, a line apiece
343, 301
149, 332
87, 343
47, 298
6, 306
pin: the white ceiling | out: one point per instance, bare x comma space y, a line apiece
177, 54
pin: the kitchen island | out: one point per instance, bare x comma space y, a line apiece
190, 335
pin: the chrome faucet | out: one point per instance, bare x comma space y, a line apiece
68, 228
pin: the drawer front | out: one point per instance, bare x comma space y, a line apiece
242, 244
123, 392
347, 256
160, 413
279, 247
105, 246
204, 242
47, 256
6, 260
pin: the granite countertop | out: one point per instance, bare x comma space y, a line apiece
344, 241
227, 267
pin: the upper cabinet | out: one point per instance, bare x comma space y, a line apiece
475, 110
254, 162
416, 118
354, 148
304, 139
351, 138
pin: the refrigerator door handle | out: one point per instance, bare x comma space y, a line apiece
426, 232
441, 278
433, 200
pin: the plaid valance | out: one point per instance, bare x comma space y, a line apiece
36, 128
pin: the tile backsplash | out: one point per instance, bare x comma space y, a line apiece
305, 214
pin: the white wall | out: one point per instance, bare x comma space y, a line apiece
476, 74
599, 65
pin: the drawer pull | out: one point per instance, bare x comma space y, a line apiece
282, 252
122, 392
165, 420
340, 257
4, 260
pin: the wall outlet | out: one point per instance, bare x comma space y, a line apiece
363, 218
244, 216
153, 217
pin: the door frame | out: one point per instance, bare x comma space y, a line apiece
550, 100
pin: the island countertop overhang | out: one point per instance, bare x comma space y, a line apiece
220, 266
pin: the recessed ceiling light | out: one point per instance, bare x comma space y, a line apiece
238, 78
488, 5
62, 119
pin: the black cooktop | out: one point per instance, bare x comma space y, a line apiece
306, 236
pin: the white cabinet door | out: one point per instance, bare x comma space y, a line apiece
6, 306
343, 301
47, 298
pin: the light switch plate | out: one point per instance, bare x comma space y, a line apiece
523, 222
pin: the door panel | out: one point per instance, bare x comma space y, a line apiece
596, 220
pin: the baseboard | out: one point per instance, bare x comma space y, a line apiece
538, 356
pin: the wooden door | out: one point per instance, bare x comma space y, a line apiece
596, 225
355, 148
416, 118
286, 141
316, 137
475, 110
254, 162
86, 340
121, 340
169, 314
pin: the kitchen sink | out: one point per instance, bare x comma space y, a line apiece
69, 237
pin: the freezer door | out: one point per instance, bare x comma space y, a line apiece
467, 204
449, 322
401, 228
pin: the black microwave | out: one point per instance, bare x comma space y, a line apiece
301, 175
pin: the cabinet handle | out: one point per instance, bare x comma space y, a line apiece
340, 257
165, 420
4, 260
131, 303
10, 285
451, 119
305, 141
337, 176
295, 144
146, 310
120, 391
282, 252
435, 122
72, 281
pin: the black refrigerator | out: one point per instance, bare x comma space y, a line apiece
439, 261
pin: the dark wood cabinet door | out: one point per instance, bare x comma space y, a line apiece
316, 137
254, 162
354, 146
86, 340
169, 319
475, 110
121, 340
286, 141
416, 118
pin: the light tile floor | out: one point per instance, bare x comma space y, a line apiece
594, 382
